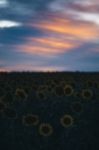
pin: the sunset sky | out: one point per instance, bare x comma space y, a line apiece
49, 35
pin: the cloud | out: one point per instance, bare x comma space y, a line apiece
16, 10
15, 35
9, 24
86, 10
3, 3
60, 34
44, 35
21, 9
47, 45
91, 17
62, 25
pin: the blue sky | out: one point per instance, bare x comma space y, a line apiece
49, 35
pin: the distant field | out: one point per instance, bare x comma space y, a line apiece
40, 111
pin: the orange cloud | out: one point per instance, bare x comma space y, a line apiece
60, 35
64, 26
46, 45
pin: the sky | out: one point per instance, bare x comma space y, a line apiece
49, 35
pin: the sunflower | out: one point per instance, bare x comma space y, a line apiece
68, 90
21, 93
30, 119
41, 95
66, 121
87, 94
45, 129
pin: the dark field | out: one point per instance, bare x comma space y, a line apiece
43, 111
